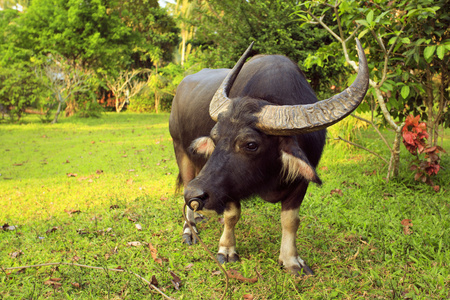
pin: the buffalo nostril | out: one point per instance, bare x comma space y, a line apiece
195, 198
195, 204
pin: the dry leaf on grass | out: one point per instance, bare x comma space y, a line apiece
176, 281
247, 297
53, 283
154, 281
406, 224
7, 227
154, 253
336, 191
53, 229
16, 254
138, 227
72, 211
134, 244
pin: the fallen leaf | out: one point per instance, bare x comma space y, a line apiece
163, 198
138, 227
134, 244
215, 273
99, 171
188, 267
76, 258
16, 254
93, 142
406, 224
176, 281
82, 231
130, 218
247, 297
72, 211
154, 253
236, 275
154, 281
336, 191
17, 165
9, 227
323, 168
130, 181
71, 175
53, 229
436, 188
75, 284
131, 170
55, 279
54, 283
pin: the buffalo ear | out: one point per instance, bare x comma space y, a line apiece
203, 145
295, 163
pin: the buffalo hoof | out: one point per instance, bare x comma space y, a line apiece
298, 267
222, 258
189, 239
301, 271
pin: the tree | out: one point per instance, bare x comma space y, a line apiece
63, 80
225, 28
125, 86
19, 88
387, 28
89, 33
156, 31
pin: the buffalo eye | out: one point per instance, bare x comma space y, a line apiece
252, 146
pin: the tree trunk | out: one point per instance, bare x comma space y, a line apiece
394, 162
55, 120
156, 101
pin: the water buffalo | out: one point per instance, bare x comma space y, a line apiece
255, 130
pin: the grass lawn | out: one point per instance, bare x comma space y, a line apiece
100, 192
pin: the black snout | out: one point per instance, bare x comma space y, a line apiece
195, 198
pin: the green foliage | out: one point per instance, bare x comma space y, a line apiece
350, 129
90, 109
20, 88
90, 32
161, 88
409, 38
226, 28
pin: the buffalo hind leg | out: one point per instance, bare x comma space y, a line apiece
227, 243
288, 252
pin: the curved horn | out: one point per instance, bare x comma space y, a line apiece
296, 119
220, 101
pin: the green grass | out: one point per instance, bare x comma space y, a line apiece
126, 175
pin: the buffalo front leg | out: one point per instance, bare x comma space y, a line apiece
187, 172
288, 252
227, 243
